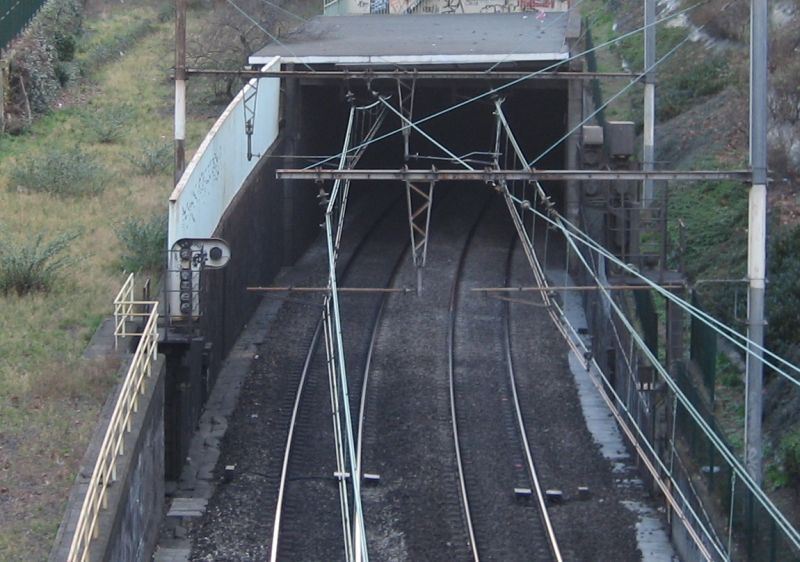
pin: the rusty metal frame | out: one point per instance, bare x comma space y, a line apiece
496, 176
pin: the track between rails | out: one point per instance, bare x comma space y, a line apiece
495, 462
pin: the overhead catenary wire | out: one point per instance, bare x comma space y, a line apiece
721, 328
733, 462
507, 85
263, 29
736, 466
284, 10
558, 221
718, 326
583, 355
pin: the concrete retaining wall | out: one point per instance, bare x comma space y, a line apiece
128, 528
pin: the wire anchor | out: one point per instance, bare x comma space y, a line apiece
250, 99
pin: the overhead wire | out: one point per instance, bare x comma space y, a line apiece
559, 221
780, 519
729, 333
726, 453
584, 356
263, 29
285, 11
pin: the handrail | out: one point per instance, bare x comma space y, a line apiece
105, 468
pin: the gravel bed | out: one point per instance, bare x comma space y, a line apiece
506, 527
566, 457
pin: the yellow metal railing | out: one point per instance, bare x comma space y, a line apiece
133, 387
128, 309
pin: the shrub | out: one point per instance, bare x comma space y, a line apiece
33, 264
39, 66
108, 124
790, 457
153, 158
33, 79
64, 172
144, 243
783, 294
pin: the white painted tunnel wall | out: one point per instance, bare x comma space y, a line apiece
220, 167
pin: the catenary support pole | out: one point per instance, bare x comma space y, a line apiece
648, 148
180, 88
756, 236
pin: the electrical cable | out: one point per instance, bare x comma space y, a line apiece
284, 10
559, 222
718, 326
261, 27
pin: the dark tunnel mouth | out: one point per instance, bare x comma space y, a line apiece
536, 115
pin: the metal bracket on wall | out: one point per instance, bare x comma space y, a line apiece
250, 98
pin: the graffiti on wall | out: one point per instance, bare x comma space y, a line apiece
458, 6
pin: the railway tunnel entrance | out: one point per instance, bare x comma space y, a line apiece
456, 124
445, 73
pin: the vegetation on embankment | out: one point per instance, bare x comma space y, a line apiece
81, 187
702, 111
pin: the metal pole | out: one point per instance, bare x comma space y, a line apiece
180, 88
756, 236
648, 148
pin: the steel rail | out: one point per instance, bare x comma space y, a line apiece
496, 176
371, 347
276, 527
512, 381
451, 379
291, 288
553, 288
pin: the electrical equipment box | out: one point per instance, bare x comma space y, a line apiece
620, 139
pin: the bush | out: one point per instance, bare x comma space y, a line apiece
692, 73
144, 243
790, 458
64, 172
33, 79
33, 265
107, 125
153, 158
39, 66
783, 294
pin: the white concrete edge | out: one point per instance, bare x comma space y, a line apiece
187, 173
414, 59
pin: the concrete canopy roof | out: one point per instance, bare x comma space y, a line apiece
424, 39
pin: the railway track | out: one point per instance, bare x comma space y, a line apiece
307, 525
503, 503
398, 369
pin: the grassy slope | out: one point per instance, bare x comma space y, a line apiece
49, 396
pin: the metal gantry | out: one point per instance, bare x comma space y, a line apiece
419, 195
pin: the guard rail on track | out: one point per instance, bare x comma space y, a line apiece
105, 469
